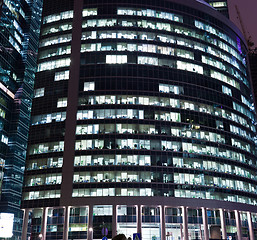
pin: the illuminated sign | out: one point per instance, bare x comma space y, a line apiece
6, 225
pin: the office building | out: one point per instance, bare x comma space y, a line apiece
142, 122
252, 55
1, 4
19, 35
221, 6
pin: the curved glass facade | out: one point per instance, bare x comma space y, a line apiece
147, 101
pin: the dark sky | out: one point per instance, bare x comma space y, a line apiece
248, 11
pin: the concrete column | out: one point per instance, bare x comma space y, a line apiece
185, 223
181, 231
44, 223
223, 224
25, 224
72, 105
238, 225
139, 218
205, 224
90, 223
114, 220
250, 225
66, 223
163, 230
200, 228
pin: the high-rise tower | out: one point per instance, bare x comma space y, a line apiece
19, 35
220, 5
142, 122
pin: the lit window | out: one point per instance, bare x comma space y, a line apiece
39, 92
189, 67
42, 195
46, 147
55, 52
89, 12
224, 78
56, 28
4, 139
226, 90
66, 15
170, 89
55, 40
116, 59
147, 60
58, 17
47, 118
6, 90
89, 47
219, 4
2, 113
62, 102
150, 13
245, 101
89, 86
17, 36
15, 44
65, 62
185, 54
64, 75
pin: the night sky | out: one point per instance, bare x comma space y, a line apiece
248, 11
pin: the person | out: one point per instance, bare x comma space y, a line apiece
119, 237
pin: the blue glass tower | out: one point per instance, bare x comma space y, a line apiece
19, 35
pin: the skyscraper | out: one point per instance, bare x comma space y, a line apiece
221, 6
252, 55
19, 35
1, 4
142, 122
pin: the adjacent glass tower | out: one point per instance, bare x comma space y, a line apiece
220, 5
143, 122
19, 36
